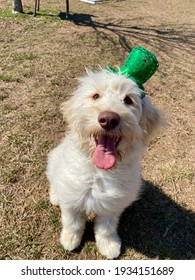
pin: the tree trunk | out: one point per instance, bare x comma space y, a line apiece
17, 6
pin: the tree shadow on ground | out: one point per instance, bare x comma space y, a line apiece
158, 227
163, 38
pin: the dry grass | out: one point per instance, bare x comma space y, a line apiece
40, 59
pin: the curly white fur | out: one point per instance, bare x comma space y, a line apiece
77, 185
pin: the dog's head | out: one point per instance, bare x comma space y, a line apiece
107, 118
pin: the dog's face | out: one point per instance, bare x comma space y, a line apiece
106, 117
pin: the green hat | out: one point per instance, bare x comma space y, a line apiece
140, 65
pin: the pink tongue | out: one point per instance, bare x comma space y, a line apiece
105, 153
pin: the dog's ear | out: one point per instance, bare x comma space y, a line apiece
151, 119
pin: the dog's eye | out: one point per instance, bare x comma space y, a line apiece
128, 100
96, 96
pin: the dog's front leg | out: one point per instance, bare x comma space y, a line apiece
73, 228
107, 239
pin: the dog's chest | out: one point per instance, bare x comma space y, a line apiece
102, 194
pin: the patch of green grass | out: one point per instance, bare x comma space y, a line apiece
54, 218
9, 79
35, 248
41, 205
44, 146
38, 171
90, 247
3, 96
4, 201
173, 171
20, 57
27, 74
25, 115
7, 13
190, 176
15, 139
6, 109
37, 252
55, 82
10, 176
43, 14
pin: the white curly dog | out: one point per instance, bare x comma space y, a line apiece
96, 168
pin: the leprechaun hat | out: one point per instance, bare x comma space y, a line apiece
140, 65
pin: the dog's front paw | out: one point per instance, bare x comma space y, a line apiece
70, 240
109, 246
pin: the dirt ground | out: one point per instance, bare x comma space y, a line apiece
40, 59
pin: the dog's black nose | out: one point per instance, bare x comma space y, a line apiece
108, 120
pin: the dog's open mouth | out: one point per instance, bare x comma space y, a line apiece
105, 153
